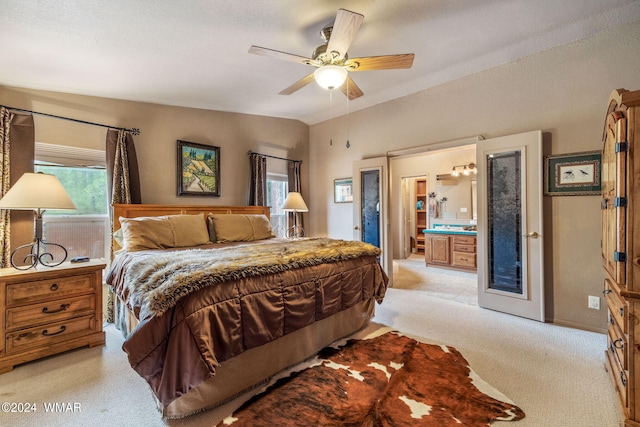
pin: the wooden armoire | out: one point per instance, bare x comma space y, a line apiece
621, 247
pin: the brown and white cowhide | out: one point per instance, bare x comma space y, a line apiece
389, 380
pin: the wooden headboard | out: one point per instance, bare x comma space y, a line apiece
134, 211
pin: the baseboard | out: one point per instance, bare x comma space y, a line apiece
577, 326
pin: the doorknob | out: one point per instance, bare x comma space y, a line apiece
533, 234
355, 227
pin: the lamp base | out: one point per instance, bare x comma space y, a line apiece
295, 232
36, 256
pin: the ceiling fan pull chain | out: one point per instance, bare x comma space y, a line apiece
348, 145
331, 117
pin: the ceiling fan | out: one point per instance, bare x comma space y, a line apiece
331, 60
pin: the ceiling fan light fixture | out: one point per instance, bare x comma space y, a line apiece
330, 76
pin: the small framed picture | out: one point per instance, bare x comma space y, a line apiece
343, 190
198, 169
572, 174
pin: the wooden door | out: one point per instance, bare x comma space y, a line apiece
614, 197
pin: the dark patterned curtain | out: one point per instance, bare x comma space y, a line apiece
122, 168
258, 185
293, 172
17, 134
123, 180
5, 215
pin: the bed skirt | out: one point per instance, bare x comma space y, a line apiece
240, 377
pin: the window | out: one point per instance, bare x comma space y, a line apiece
277, 190
87, 230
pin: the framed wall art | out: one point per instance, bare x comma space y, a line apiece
198, 169
572, 174
343, 190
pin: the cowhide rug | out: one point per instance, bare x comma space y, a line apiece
389, 380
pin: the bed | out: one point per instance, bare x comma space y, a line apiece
210, 318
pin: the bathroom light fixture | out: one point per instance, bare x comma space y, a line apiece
466, 169
37, 192
330, 76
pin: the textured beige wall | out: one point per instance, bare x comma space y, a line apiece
562, 91
160, 127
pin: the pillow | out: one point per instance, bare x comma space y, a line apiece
212, 229
241, 228
161, 232
189, 230
118, 237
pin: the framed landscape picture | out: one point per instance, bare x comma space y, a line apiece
572, 174
343, 190
198, 169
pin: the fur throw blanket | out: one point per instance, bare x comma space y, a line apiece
157, 282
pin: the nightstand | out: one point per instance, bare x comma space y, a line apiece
45, 311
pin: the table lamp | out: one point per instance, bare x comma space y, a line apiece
37, 192
295, 203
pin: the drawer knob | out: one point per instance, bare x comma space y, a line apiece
63, 307
619, 344
53, 287
46, 332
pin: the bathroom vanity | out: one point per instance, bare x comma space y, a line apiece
451, 247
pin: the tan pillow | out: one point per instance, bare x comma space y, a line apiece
189, 230
146, 233
241, 228
161, 232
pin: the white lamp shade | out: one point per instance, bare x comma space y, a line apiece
37, 191
330, 76
295, 203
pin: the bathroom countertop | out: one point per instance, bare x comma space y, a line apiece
454, 230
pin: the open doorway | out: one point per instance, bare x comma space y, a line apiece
428, 196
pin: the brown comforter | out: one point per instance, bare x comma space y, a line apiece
178, 345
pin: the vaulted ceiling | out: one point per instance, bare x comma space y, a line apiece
194, 53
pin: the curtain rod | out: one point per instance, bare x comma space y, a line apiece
135, 131
273, 157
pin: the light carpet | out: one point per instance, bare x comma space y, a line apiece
554, 374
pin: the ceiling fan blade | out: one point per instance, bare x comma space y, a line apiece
298, 85
351, 89
384, 62
257, 50
344, 30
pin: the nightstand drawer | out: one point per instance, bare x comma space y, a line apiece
49, 334
27, 292
51, 311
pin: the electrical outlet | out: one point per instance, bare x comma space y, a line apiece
594, 302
